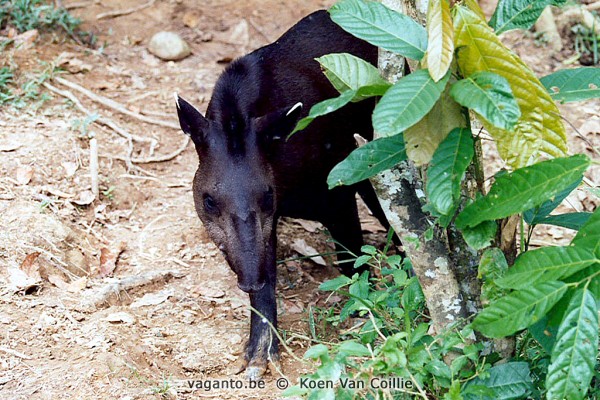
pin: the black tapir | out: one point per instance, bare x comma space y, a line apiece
249, 174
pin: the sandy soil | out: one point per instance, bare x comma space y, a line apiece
73, 334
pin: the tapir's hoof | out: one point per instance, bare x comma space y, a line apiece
256, 369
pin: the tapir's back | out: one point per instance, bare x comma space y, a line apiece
282, 74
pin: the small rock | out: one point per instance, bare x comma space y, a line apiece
121, 317
168, 46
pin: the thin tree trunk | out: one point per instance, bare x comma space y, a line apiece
444, 264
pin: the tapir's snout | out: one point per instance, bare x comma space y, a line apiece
247, 252
250, 288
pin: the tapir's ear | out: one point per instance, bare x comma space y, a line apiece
192, 122
280, 123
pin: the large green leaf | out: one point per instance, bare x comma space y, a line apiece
335, 283
570, 220
424, 137
405, 103
507, 381
325, 107
490, 96
381, 26
348, 72
590, 273
480, 236
523, 189
519, 309
546, 264
573, 84
368, 160
544, 332
440, 46
447, 169
517, 14
540, 128
535, 215
574, 354
589, 234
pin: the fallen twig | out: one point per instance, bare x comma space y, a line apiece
593, 6
15, 353
166, 157
94, 298
117, 13
94, 166
104, 121
114, 105
81, 4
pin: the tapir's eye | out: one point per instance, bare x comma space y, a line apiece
210, 205
267, 200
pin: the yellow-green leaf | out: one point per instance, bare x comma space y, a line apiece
440, 45
423, 138
473, 5
539, 129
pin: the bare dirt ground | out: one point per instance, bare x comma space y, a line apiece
73, 333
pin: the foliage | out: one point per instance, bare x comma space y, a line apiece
25, 15
29, 91
391, 342
6, 77
551, 294
573, 84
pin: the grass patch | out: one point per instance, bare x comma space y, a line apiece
24, 15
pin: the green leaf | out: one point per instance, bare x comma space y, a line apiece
405, 103
519, 309
423, 138
351, 348
322, 394
294, 391
537, 214
546, 264
480, 236
323, 108
412, 295
348, 72
335, 283
544, 332
589, 234
574, 354
571, 220
492, 264
540, 128
523, 189
517, 14
573, 84
381, 27
440, 47
490, 96
317, 351
368, 160
362, 260
360, 288
447, 169
590, 273
511, 380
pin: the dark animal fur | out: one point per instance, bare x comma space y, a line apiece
249, 175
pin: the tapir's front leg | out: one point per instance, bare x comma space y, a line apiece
263, 346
